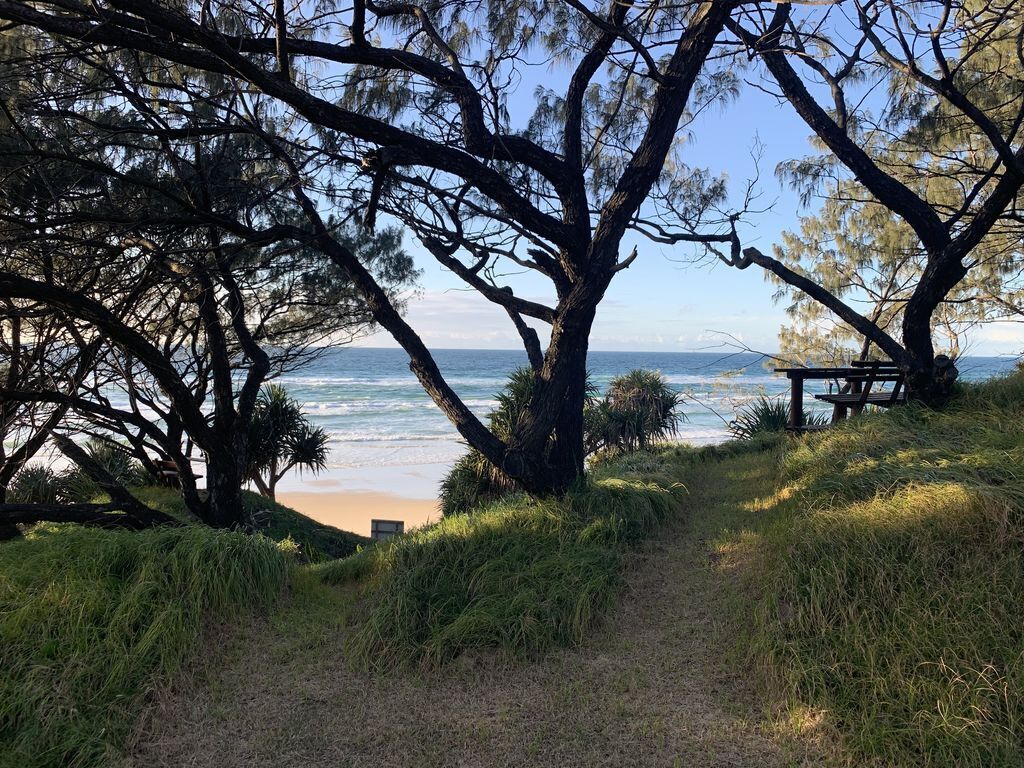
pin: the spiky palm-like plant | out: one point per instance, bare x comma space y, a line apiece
35, 485
640, 408
75, 485
280, 439
473, 480
765, 415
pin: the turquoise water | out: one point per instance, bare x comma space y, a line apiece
379, 417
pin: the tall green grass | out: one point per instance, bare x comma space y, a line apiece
89, 619
317, 542
896, 604
520, 576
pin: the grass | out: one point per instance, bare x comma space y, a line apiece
519, 576
873, 573
647, 685
317, 542
90, 619
894, 582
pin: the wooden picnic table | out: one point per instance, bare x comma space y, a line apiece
853, 395
168, 473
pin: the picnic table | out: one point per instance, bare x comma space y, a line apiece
855, 389
168, 473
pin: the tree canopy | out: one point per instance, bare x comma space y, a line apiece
263, 136
918, 111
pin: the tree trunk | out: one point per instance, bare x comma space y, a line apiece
547, 460
7, 530
262, 486
567, 456
929, 377
224, 491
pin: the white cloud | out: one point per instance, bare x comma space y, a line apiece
1004, 338
454, 319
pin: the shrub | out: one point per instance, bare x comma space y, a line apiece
639, 409
35, 485
470, 483
473, 480
766, 415
77, 486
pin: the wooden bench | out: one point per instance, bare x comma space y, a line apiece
167, 472
855, 391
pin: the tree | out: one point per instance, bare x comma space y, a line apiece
282, 439
941, 151
404, 111
861, 253
191, 323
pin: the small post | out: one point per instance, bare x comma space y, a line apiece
796, 402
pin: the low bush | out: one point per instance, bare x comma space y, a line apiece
89, 619
36, 485
115, 459
766, 415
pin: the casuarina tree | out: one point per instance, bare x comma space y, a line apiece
415, 114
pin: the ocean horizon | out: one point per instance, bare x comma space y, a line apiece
387, 435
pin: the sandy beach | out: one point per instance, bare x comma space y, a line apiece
353, 511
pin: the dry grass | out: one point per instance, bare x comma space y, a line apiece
651, 687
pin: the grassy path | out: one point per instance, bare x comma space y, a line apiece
652, 687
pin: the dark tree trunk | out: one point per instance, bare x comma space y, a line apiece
547, 455
224, 491
567, 455
97, 515
929, 377
7, 530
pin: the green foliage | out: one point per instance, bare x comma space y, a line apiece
89, 619
35, 485
520, 575
76, 486
473, 480
896, 595
767, 415
281, 438
316, 542
640, 408
39, 484
470, 483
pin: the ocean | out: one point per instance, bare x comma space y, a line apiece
388, 436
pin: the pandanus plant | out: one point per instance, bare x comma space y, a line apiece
281, 439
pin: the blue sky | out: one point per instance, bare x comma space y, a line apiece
663, 302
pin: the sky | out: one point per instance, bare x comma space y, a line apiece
665, 301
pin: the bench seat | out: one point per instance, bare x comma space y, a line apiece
855, 398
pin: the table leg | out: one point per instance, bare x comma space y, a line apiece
796, 404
